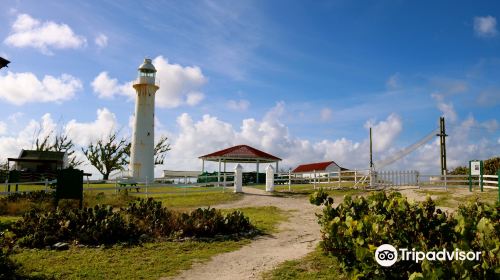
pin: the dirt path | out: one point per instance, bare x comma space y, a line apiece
296, 237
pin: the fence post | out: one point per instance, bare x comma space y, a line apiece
340, 176
481, 176
445, 180
269, 178
314, 180
238, 178
355, 176
289, 180
470, 180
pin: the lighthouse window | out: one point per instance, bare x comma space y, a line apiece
146, 74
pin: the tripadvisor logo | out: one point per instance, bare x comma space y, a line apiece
387, 255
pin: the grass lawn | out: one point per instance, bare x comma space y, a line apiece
308, 187
149, 261
313, 266
452, 198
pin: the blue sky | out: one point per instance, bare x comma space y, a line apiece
300, 79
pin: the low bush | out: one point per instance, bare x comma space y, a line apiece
151, 218
155, 220
102, 225
97, 225
354, 229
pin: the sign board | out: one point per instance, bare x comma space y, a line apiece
69, 185
475, 167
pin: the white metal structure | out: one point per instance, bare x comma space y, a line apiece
142, 151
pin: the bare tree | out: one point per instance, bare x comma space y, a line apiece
108, 155
59, 142
112, 154
161, 149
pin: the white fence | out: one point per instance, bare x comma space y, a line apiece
158, 187
350, 178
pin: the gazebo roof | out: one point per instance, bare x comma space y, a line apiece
241, 154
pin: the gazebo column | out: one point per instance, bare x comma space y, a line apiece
277, 170
202, 166
257, 175
218, 174
224, 173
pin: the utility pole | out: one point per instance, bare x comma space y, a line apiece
442, 140
371, 151
371, 160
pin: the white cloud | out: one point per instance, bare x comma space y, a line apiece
10, 146
15, 117
490, 125
3, 128
193, 98
485, 26
326, 114
178, 85
445, 108
27, 31
393, 81
106, 87
385, 132
101, 40
238, 105
466, 140
83, 133
20, 88
196, 138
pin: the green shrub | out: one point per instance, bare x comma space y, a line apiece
354, 229
102, 225
151, 218
97, 225
157, 221
318, 197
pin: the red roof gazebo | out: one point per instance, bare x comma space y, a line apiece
239, 154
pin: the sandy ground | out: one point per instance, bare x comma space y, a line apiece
296, 238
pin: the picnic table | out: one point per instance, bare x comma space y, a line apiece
123, 183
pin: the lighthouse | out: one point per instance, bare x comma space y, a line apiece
142, 150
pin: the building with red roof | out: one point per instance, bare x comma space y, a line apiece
239, 154
318, 168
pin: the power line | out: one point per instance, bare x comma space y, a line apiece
406, 151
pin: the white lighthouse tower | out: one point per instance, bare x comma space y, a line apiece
142, 151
